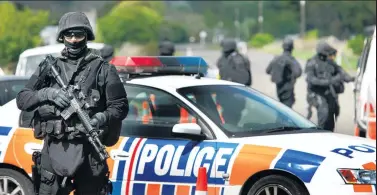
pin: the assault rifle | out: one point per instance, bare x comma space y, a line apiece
77, 103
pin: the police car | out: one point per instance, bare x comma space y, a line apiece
180, 121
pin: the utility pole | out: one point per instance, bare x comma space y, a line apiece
260, 17
303, 19
237, 22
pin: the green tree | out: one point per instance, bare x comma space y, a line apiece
246, 27
19, 30
130, 22
187, 20
339, 18
283, 17
174, 32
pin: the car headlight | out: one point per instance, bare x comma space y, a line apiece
358, 176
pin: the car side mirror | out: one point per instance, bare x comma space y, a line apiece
189, 130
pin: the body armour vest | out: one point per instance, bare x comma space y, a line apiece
322, 70
87, 74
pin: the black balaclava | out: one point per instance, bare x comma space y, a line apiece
77, 49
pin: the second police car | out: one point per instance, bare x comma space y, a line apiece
249, 143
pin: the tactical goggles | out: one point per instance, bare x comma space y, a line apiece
78, 34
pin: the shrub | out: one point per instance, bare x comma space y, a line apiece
356, 44
311, 35
261, 39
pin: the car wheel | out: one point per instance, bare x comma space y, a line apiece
277, 185
13, 182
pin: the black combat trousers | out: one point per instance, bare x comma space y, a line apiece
327, 111
90, 178
286, 94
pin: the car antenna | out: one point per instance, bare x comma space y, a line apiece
198, 75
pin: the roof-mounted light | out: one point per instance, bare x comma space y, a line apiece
160, 65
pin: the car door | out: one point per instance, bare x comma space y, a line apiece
238, 114
151, 160
3, 93
15, 86
20, 148
9, 90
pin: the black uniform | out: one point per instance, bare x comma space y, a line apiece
107, 53
284, 71
345, 78
324, 83
66, 152
233, 66
166, 48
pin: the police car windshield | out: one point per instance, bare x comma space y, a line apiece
241, 111
27, 65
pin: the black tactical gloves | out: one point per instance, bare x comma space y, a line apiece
57, 96
98, 120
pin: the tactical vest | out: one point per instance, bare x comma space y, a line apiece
325, 70
90, 79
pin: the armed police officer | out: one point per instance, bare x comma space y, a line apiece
166, 48
345, 77
284, 71
232, 65
67, 152
323, 81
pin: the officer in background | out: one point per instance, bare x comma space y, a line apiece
345, 77
66, 153
166, 48
323, 79
107, 53
232, 65
284, 71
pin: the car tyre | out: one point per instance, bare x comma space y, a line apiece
21, 180
285, 183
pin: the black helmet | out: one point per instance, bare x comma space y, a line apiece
74, 20
228, 45
287, 44
323, 48
331, 50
